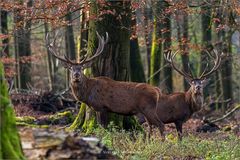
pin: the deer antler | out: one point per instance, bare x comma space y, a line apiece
86, 59
101, 43
51, 46
169, 58
217, 63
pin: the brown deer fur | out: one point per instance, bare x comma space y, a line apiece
127, 98
178, 107
106, 95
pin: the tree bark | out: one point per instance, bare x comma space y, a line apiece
10, 146
49, 62
224, 46
82, 46
206, 44
136, 67
23, 49
167, 70
155, 62
182, 33
69, 43
148, 19
114, 61
4, 30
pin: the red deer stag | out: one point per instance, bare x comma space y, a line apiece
106, 95
178, 107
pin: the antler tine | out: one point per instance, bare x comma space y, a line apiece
170, 60
101, 42
69, 60
51, 47
204, 71
167, 56
84, 58
217, 63
106, 40
189, 68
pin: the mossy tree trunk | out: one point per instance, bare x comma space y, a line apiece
10, 146
155, 62
114, 61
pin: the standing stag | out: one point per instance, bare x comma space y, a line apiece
106, 95
178, 107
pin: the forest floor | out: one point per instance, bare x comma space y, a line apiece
51, 141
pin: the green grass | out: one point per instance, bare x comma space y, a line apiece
129, 145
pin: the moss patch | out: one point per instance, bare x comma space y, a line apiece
10, 146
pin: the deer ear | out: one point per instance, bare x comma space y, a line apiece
205, 81
66, 65
87, 65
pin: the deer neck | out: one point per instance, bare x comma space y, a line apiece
80, 89
195, 101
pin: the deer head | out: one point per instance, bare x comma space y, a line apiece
197, 83
76, 68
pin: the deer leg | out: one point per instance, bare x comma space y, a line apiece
161, 129
149, 129
154, 120
102, 119
179, 129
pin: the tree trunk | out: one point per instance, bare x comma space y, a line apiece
136, 67
23, 49
82, 45
156, 46
51, 65
114, 61
70, 44
4, 30
148, 18
10, 146
167, 70
83, 119
182, 32
206, 44
49, 62
224, 46
226, 72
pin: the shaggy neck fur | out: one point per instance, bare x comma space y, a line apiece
195, 100
80, 88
